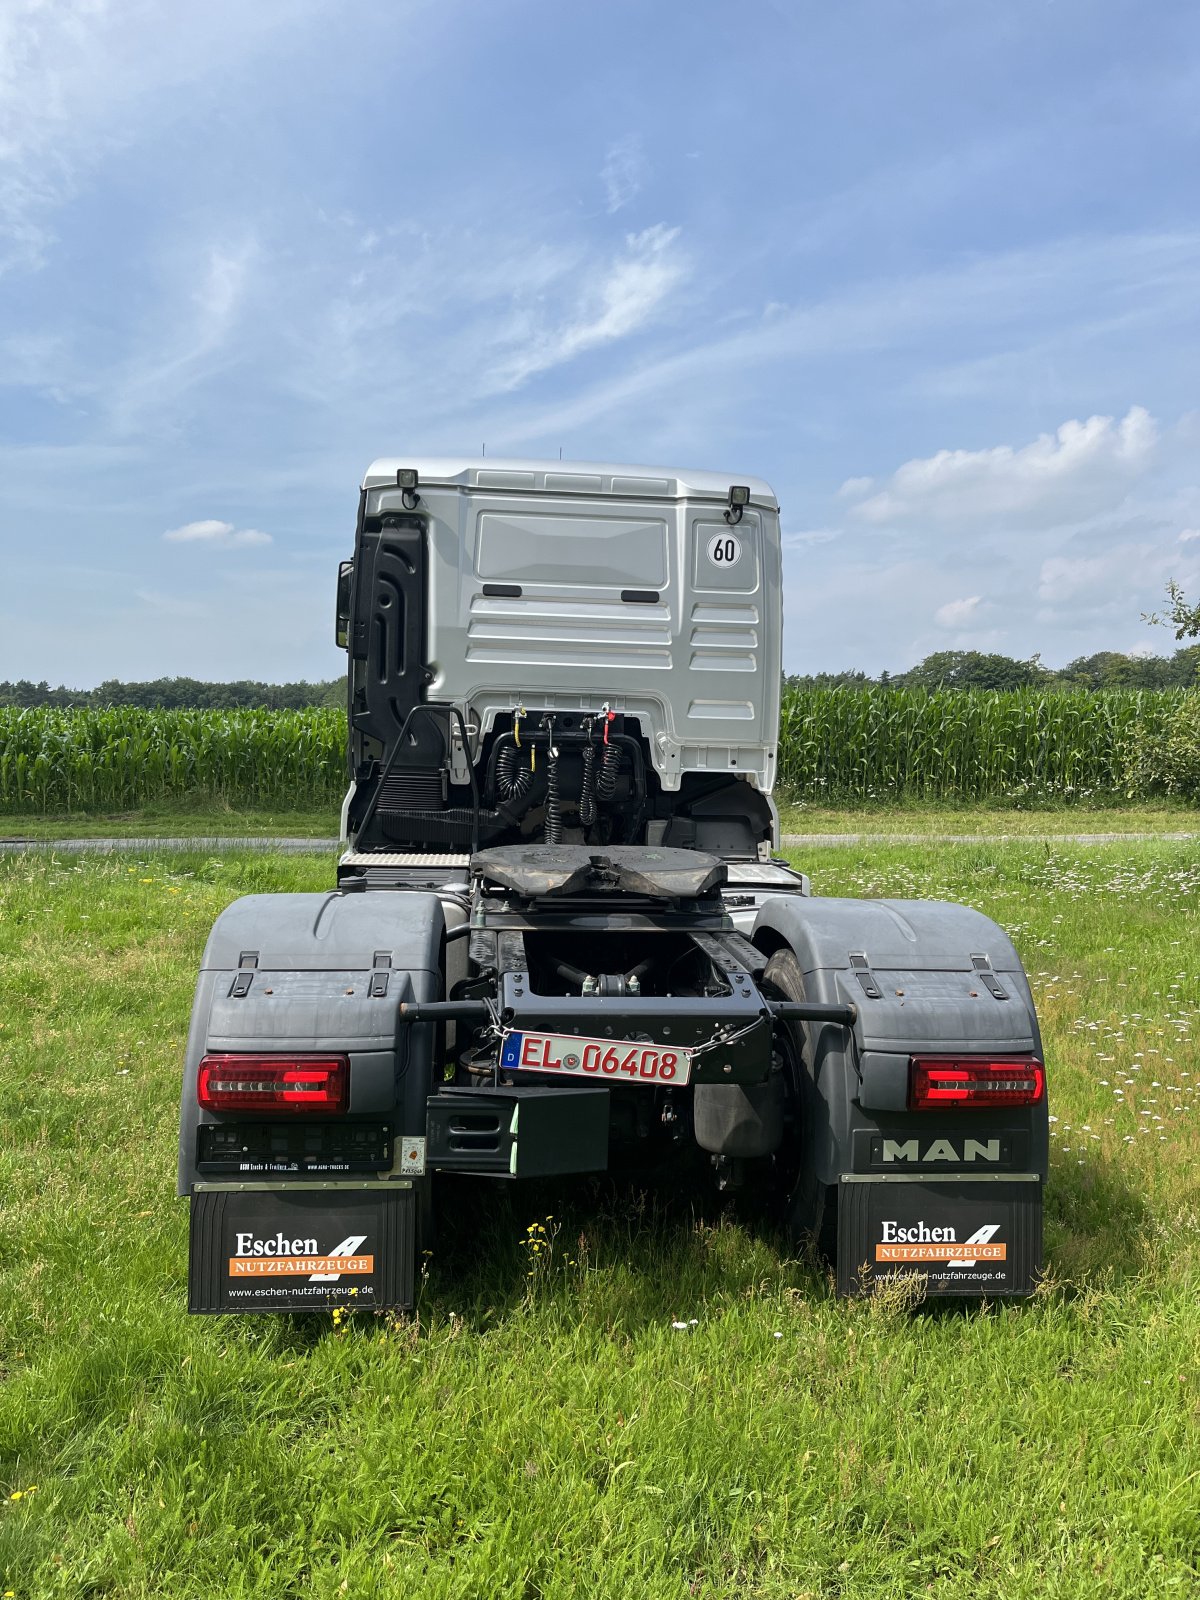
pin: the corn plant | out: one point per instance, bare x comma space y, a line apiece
124, 757
1028, 746
1023, 746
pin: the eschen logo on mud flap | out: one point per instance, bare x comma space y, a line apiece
280, 1257
917, 1241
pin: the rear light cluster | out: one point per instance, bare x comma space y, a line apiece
274, 1083
961, 1081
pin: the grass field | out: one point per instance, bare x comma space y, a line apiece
553, 1435
191, 821
175, 822
997, 821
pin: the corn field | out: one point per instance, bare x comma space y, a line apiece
1021, 746
125, 757
836, 745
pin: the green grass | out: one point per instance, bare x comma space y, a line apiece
1165, 817
195, 820
551, 1436
183, 821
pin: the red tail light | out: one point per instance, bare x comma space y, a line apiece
960, 1081
274, 1083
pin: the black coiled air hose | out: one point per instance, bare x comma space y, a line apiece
512, 779
587, 792
606, 781
552, 827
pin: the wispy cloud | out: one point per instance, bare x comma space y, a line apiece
623, 172
170, 605
1005, 298
615, 304
223, 535
1109, 580
188, 338
811, 536
81, 79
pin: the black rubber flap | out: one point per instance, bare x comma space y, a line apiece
961, 1238
301, 1249
565, 869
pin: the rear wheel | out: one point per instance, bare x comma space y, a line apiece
810, 1207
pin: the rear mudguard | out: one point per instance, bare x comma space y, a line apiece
925, 977
312, 973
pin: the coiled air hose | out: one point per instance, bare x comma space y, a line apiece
587, 792
610, 759
610, 762
552, 831
513, 779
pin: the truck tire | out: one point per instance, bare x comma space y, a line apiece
810, 1207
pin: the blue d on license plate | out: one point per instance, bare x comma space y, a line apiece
622, 1060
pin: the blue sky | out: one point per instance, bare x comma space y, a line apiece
931, 268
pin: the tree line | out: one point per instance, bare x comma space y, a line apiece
945, 669
179, 694
976, 669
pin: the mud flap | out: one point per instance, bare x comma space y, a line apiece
285, 1248
962, 1237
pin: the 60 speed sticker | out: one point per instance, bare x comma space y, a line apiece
724, 550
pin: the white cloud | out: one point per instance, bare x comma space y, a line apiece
957, 613
1113, 577
623, 299
812, 536
1066, 578
1060, 477
482, 309
854, 487
222, 535
80, 79
970, 303
623, 172
186, 343
1188, 535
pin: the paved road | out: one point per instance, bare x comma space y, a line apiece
795, 841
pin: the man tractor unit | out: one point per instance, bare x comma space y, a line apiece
561, 939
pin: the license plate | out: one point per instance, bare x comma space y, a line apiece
618, 1060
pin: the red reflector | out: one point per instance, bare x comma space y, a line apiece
970, 1081
274, 1083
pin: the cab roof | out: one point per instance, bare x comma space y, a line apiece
568, 477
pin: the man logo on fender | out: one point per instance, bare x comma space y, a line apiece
941, 1150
